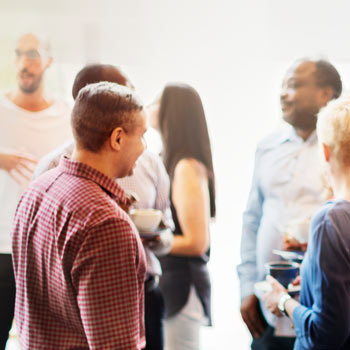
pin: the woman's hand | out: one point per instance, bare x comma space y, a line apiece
297, 281
272, 298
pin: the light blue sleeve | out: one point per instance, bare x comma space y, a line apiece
163, 192
52, 159
163, 203
247, 270
325, 325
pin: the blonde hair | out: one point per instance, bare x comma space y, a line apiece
333, 128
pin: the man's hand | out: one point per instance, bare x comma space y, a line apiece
161, 244
291, 244
252, 316
272, 298
131, 198
19, 165
150, 242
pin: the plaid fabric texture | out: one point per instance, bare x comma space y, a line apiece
79, 264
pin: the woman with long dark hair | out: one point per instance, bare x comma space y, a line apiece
179, 116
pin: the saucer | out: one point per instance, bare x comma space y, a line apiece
151, 234
297, 256
264, 287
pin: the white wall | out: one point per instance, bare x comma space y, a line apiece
233, 52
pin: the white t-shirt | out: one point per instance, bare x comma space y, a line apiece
36, 133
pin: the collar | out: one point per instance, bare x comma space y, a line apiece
289, 135
108, 184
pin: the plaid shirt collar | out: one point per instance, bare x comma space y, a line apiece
108, 184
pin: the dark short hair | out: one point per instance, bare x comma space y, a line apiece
95, 73
100, 108
184, 131
327, 75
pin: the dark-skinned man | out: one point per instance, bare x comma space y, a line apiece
287, 186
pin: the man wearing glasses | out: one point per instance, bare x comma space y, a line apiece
32, 124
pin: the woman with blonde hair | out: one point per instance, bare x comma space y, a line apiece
322, 318
179, 116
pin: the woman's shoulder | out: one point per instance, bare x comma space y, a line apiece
191, 174
333, 216
333, 209
190, 166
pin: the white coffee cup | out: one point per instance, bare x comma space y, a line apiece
146, 219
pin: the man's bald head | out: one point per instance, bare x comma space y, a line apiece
307, 87
96, 73
39, 40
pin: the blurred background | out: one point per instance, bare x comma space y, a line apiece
233, 52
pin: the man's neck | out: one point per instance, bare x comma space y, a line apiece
95, 160
33, 102
304, 134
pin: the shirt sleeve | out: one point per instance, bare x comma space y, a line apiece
326, 324
109, 291
52, 159
247, 270
163, 192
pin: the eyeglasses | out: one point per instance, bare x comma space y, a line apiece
32, 55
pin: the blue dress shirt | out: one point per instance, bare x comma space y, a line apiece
287, 186
322, 321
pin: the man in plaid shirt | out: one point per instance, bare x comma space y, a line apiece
79, 263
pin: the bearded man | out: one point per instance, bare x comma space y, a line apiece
32, 124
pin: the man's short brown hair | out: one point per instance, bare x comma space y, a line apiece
99, 109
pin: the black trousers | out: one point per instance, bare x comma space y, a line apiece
154, 316
269, 342
7, 297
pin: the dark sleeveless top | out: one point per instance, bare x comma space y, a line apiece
182, 272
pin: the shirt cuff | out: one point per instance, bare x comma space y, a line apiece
163, 246
247, 288
300, 314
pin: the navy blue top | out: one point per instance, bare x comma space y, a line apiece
182, 272
322, 321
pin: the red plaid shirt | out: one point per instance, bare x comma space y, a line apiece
79, 264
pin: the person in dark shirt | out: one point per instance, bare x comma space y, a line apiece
179, 117
322, 318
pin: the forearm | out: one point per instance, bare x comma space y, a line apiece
290, 306
7, 160
2, 160
187, 246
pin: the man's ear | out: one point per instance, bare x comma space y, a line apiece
48, 62
116, 138
327, 94
326, 152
